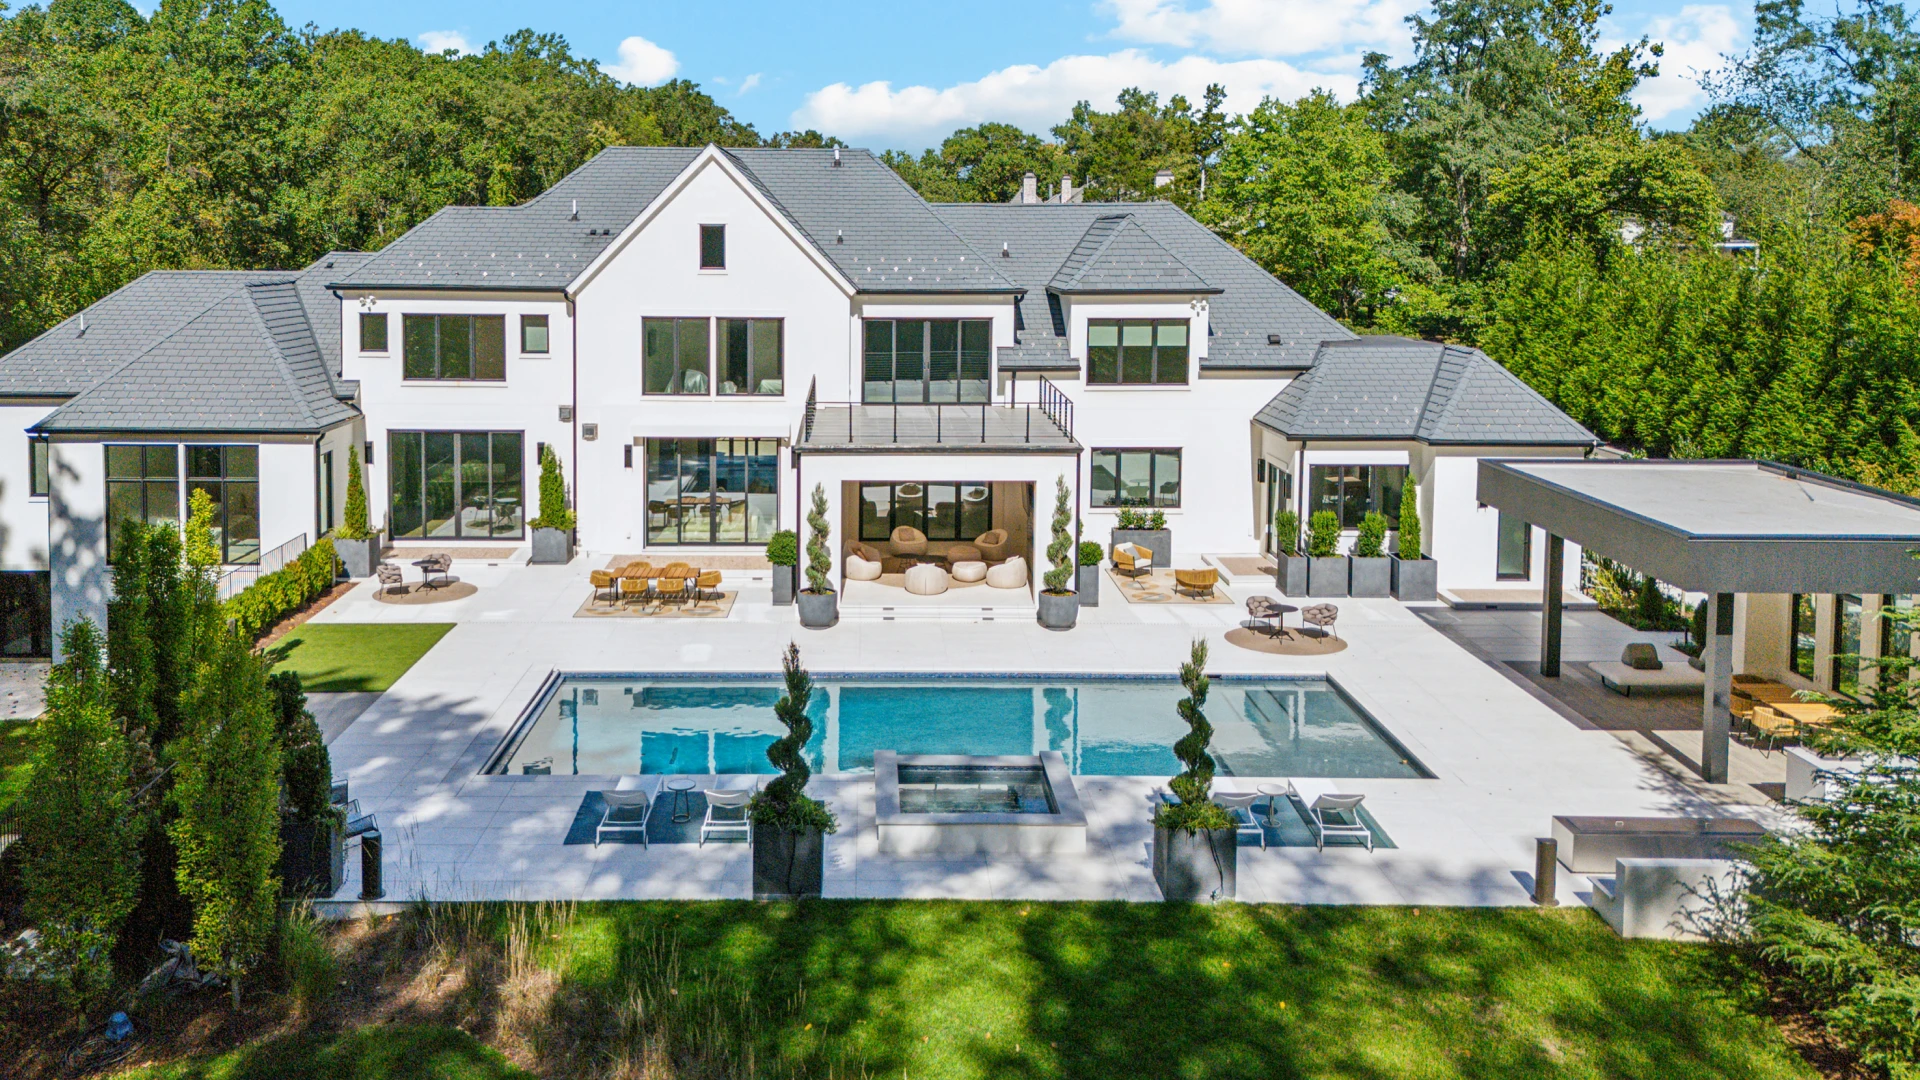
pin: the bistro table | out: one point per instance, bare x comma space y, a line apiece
1272, 792
432, 565
682, 805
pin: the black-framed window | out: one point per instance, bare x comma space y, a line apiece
533, 334
1895, 640
26, 613
143, 484
459, 347
373, 331
39, 467
917, 361
751, 356
1800, 635
456, 483
713, 247
675, 356
943, 511
1149, 477
1844, 656
323, 492
1350, 491
712, 491
1513, 549
231, 475
1136, 352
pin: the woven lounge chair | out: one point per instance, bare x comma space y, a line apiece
390, 578
606, 587
1132, 560
907, 540
1196, 583
706, 589
673, 583
1264, 612
1322, 616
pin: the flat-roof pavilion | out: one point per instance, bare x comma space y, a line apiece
1717, 527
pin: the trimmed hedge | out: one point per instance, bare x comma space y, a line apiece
271, 596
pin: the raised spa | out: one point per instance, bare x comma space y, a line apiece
956, 804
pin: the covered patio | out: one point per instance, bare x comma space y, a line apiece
1722, 528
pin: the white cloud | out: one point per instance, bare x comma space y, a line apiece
439, 41
1038, 97
643, 63
1696, 39
1266, 27
749, 83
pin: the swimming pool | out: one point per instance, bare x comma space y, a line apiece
603, 724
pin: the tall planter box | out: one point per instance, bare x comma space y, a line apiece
1158, 541
1327, 575
359, 557
552, 547
1195, 866
818, 610
1290, 574
313, 858
1415, 579
1086, 585
1058, 611
788, 865
1371, 577
783, 584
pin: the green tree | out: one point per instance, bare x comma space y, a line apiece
981, 164
1194, 787
784, 803
306, 768
554, 511
1120, 152
1588, 186
1060, 551
82, 830
819, 556
353, 523
1410, 538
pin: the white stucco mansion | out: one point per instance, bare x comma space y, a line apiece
703, 335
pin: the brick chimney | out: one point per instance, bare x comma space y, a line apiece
1029, 189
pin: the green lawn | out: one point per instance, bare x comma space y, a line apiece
382, 1053
355, 656
1039, 991
16, 743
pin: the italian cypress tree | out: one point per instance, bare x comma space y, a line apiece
82, 831
131, 645
170, 605
353, 523
1410, 538
554, 512
306, 769
1194, 787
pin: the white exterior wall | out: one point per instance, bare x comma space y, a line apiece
23, 516
337, 442
77, 534
286, 493
1464, 536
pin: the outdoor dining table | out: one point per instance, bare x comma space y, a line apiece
1805, 712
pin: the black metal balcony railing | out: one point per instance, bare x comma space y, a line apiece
1047, 419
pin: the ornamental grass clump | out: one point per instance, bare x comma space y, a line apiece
819, 556
1196, 809
1323, 534
1372, 541
784, 804
1060, 549
1410, 538
1286, 528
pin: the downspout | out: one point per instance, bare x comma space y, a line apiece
573, 330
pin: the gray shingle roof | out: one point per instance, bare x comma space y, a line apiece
1115, 255
1040, 238
1399, 388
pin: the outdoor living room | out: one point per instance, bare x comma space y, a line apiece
937, 544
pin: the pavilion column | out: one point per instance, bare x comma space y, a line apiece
1717, 651
1550, 601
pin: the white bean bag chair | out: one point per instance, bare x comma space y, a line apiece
926, 579
859, 569
969, 570
1011, 574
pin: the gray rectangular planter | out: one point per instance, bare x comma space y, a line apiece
1415, 579
359, 557
1196, 866
552, 547
1158, 541
783, 582
313, 858
788, 865
1290, 574
1327, 575
1371, 577
1086, 585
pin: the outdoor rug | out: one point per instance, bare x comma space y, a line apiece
1245, 566
415, 594
706, 609
1295, 642
1157, 588
661, 828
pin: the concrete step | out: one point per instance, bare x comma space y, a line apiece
941, 612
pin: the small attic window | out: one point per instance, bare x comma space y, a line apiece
713, 247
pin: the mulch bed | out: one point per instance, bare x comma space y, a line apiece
316, 606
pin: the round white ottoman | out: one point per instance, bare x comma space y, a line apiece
926, 579
969, 570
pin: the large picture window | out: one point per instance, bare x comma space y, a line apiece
143, 484
920, 361
373, 332
750, 356
1136, 352
712, 491
456, 483
1513, 549
26, 613
676, 356
1845, 662
39, 470
1136, 478
472, 347
1800, 635
231, 476
1350, 491
943, 511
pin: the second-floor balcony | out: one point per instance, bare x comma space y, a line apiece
1043, 424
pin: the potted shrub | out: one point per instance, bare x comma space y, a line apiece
1148, 529
1371, 573
783, 551
819, 604
1415, 577
1195, 846
1326, 570
1290, 566
553, 529
357, 545
1087, 583
313, 857
1059, 605
789, 826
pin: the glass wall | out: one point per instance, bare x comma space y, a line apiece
1800, 636
915, 361
1846, 644
1352, 490
143, 484
1896, 639
457, 484
712, 491
230, 475
943, 511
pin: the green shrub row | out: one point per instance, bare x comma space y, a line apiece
263, 603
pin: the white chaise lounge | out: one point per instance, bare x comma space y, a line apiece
1329, 811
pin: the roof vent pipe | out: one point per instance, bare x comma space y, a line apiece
836, 157
575, 215
83, 325
1029, 189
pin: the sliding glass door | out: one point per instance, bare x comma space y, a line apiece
457, 484
920, 361
712, 491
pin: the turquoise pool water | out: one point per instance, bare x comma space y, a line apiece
633, 724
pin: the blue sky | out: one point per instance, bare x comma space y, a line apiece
893, 75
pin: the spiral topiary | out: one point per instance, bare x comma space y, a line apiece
819, 557
783, 803
1060, 550
1195, 810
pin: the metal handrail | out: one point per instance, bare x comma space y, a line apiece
231, 581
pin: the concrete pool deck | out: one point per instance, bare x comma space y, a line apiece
1504, 763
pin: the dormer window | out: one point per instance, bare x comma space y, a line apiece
713, 247
1137, 352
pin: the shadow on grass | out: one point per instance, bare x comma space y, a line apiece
391, 1052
